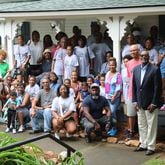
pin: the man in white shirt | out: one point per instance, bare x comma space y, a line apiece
21, 57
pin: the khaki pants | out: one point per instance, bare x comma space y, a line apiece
147, 123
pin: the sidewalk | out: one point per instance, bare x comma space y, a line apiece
98, 153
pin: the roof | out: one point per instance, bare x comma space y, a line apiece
8, 6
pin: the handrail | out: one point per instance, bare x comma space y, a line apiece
46, 135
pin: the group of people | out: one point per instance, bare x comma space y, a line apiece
75, 85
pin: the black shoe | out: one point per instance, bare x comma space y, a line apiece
34, 131
47, 131
88, 139
126, 132
130, 135
150, 152
140, 149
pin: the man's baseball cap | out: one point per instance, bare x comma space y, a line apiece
95, 85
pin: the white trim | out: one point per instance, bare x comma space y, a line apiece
86, 13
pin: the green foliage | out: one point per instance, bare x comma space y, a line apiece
155, 162
30, 154
75, 159
27, 155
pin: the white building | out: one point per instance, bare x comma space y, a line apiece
116, 15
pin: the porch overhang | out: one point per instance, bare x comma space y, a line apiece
159, 10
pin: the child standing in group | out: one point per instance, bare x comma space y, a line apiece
11, 106
102, 85
82, 94
70, 62
67, 82
90, 81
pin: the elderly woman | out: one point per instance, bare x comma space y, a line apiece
62, 108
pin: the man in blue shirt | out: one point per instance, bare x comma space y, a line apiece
94, 119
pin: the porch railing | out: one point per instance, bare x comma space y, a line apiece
46, 135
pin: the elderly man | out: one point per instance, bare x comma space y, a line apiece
146, 99
41, 108
94, 119
131, 113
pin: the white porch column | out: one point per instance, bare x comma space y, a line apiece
10, 33
116, 25
9, 45
115, 34
2, 34
113, 24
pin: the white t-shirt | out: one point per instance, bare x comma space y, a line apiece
63, 105
99, 50
70, 62
71, 93
21, 53
83, 55
59, 61
90, 40
104, 67
36, 50
153, 56
126, 82
102, 91
32, 90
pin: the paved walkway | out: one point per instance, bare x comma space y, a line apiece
97, 153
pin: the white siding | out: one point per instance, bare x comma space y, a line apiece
145, 22
83, 24
43, 26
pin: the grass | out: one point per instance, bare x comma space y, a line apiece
155, 162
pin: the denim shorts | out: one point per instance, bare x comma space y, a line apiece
163, 75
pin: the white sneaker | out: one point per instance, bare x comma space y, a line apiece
57, 135
7, 130
14, 131
11, 127
21, 128
68, 135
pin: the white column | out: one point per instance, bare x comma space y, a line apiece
10, 33
113, 24
117, 26
115, 33
9, 45
2, 34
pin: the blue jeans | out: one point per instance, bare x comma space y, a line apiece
89, 126
46, 115
114, 106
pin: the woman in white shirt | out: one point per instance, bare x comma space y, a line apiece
85, 58
32, 88
62, 108
58, 60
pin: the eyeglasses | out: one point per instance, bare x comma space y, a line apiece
142, 55
46, 82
